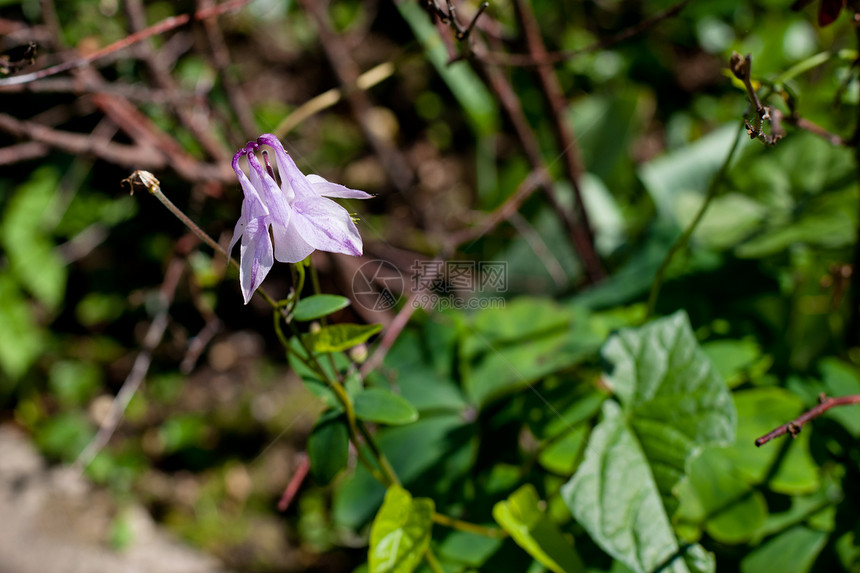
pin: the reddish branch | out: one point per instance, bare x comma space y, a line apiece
558, 57
295, 483
795, 425
347, 71
154, 30
567, 141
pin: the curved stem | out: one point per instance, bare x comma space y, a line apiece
684, 239
432, 562
155, 189
460, 525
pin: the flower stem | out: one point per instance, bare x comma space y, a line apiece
460, 525
688, 232
155, 189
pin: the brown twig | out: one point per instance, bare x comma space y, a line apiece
348, 73
795, 425
221, 58
137, 156
159, 28
295, 482
529, 60
22, 152
567, 141
81, 86
141, 365
503, 212
511, 104
162, 78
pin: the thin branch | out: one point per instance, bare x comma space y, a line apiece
511, 104
140, 368
347, 72
684, 239
134, 156
795, 425
164, 80
529, 60
159, 28
295, 482
221, 58
566, 139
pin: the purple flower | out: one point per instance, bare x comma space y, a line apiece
300, 217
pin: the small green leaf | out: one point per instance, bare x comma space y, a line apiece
339, 337
318, 306
529, 526
383, 406
401, 532
328, 447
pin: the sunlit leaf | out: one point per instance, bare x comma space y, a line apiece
401, 532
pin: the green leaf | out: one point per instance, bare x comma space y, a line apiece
339, 337
792, 551
447, 446
672, 395
28, 244
686, 170
401, 532
510, 348
318, 306
716, 498
383, 406
673, 404
624, 516
328, 447
21, 338
530, 527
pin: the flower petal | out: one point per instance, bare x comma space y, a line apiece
256, 253
290, 246
326, 226
273, 198
326, 188
291, 175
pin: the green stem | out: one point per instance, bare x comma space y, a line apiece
432, 562
460, 525
684, 239
155, 189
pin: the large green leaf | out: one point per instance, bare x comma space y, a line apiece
531, 528
318, 306
673, 403
383, 406
615, 497
328, 447
401, 532
673, 397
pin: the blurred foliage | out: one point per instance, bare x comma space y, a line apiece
594, 441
